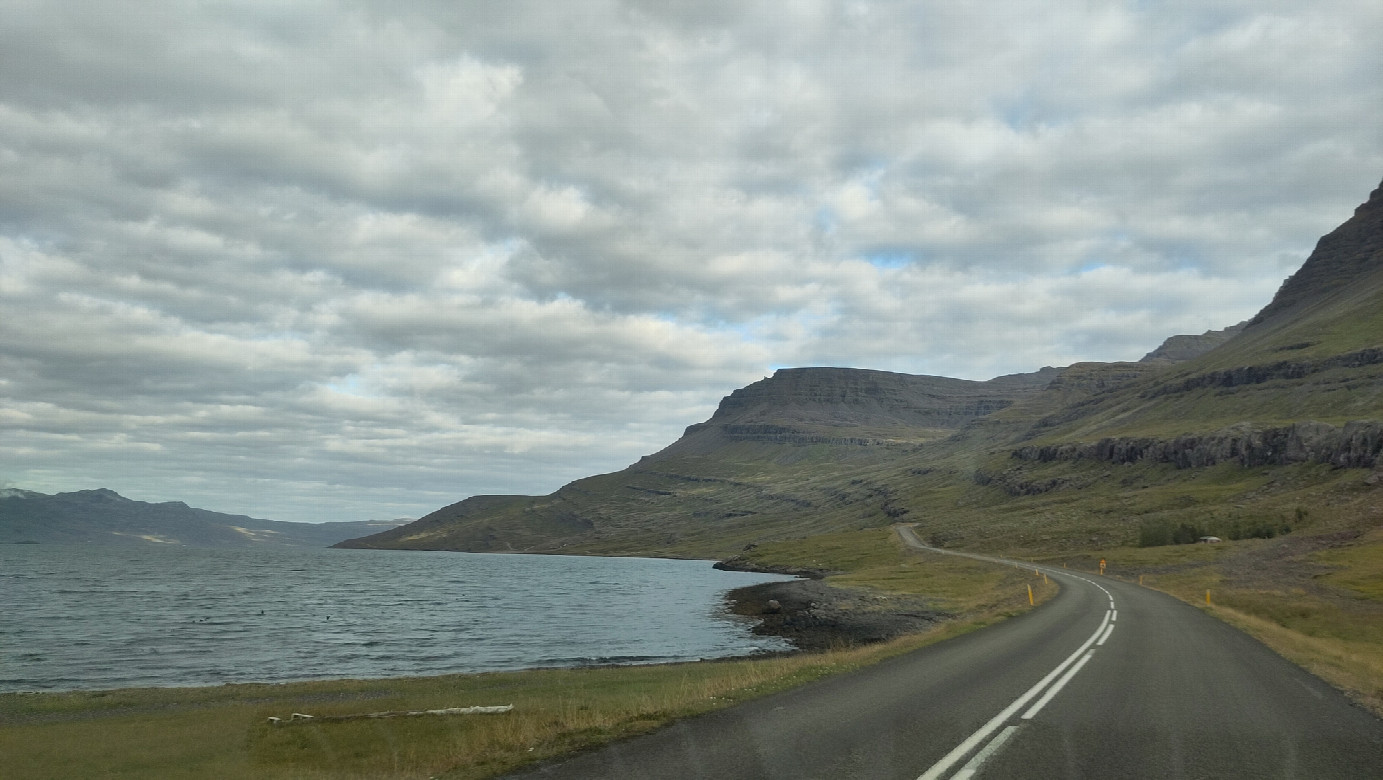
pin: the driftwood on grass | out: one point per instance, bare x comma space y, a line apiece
491, 710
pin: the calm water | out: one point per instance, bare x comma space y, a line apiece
77, 617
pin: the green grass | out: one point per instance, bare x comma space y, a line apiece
1304, 613
1354, 667
877, 559
1357, 569
223, 731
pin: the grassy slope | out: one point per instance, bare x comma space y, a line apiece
690, 505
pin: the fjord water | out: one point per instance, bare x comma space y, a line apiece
89, 618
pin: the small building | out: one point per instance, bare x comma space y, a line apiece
1209, 540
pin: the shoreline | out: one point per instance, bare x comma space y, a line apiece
815, 616
224, 731
809, 613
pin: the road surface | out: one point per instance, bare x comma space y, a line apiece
1105, 680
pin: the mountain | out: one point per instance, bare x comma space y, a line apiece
1276, 422
756, 463
1346, 262
1178, 348
104, 517
1314, 353
853, 406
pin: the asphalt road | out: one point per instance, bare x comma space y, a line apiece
1106, 680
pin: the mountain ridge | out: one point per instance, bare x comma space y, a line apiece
1347, 255
101, 516
852, 406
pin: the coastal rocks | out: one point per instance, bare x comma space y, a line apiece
739, 563
816, 616
1358, 444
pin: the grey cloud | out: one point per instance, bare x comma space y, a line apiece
353, 259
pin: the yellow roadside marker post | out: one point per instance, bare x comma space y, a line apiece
1030, 601
1207, 598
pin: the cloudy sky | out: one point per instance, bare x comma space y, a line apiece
327, 260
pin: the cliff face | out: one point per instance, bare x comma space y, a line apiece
850, 406
845, 397
1260, 374
1357, 444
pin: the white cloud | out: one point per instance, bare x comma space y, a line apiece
346, 259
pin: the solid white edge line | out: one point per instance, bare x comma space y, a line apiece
1107, 632
1055, 689
994, 723
968, 771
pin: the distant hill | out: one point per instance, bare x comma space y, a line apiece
856, 414
104, 517
856, 406
1277, 422
1179, 348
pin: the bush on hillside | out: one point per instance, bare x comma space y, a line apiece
1158, 533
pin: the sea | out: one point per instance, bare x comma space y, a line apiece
81, 617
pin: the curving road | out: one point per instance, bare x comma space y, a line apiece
1106, 680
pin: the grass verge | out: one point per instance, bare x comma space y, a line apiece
1352, 666
1320, 609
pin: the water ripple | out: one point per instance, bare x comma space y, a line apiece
80, 618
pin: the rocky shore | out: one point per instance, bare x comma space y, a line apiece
816, 616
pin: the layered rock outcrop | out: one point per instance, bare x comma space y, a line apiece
845, 406
1254, 375
1357, 444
